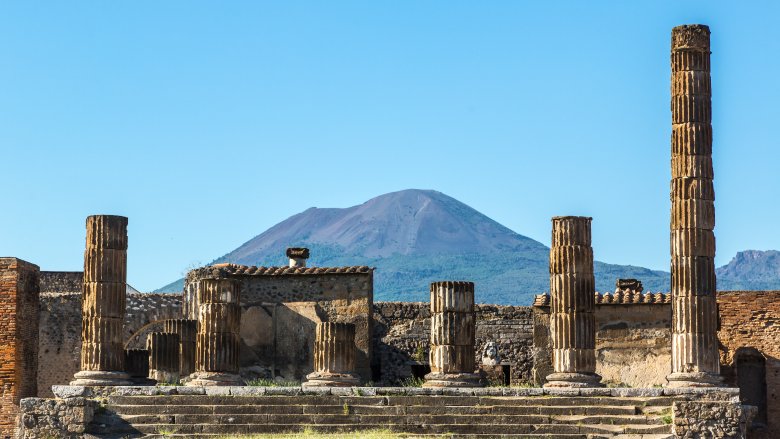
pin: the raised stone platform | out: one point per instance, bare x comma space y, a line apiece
653, 413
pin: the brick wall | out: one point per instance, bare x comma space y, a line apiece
751, 320
19, 290
402, 332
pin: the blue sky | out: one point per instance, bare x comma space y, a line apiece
208, 122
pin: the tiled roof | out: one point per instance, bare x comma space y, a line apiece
245, 270
617, 298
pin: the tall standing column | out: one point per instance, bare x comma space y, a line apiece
218, 340
572, 290
453, 334
187, 330
103, 303
334, 356
695, 360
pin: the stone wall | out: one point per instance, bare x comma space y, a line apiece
629, 331
59, 331
282, 305
55, 418
402, 338
19, 303
61, 281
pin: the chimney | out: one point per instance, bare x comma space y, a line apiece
298, 256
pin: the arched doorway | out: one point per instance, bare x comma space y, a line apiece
751, 379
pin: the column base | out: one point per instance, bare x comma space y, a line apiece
164, 377
199, 379
440, 379
694, 379
572, 379
100, 378
331, 379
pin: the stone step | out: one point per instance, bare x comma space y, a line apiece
375, 409
197, 429
451, 436
386, 400
382, 419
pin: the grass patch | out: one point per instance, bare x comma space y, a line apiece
412, 382
266, 382
667, 419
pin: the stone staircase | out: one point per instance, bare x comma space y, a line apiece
544, 416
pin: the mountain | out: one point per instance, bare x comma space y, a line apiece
414, 237
751, 270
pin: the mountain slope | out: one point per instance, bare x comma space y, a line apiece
415, 237
751, 270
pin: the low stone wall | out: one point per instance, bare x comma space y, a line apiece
711, 419
41, 418
402, 338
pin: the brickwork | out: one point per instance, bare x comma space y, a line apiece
19, 307
751, 320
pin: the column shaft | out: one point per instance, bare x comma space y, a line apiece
187, 331
695, 360
103, 302
453, 335
334, 356
572, 289
164, 353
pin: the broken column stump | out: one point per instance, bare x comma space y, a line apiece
187, 330
334, 356
453, 332
572, 303
103, 303
217, 339
164, 353
695, 360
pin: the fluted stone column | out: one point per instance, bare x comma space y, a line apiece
187, 330
695, 361
572, 290
217, 339
164, 353
103, 303
453, 335
334, 356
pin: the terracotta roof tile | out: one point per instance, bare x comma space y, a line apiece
245, 270
616, 298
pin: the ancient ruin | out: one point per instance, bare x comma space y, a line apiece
334, 356
452, 335
572, 285
186, 329
218, 342
164, 354
103, 303
695, 360
363, 361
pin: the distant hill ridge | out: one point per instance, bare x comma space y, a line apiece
415, 237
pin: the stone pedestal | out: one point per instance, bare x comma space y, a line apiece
187, 330
695, 360
217, 339
103, 303
453, 331
572, 290
164, 353
334, 356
